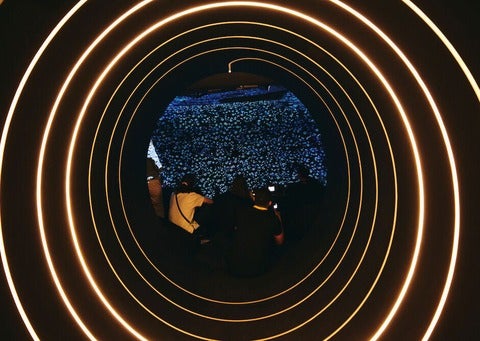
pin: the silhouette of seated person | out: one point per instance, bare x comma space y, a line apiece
154, 183
256, 233
185, 203
302, 203
226, 204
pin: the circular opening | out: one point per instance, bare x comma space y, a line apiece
226, 125
261, 131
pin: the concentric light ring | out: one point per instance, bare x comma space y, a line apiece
414, 267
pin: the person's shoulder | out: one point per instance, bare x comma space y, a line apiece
190, 194
198, 195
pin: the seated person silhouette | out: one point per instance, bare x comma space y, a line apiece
226, 204
302, 204
154, 183
257, 230
183, 203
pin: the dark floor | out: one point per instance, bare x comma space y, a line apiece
200, 268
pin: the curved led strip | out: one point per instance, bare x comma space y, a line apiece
318, 265
363, 255
452, 263
451, 49
67, 181
387, 86
135, 41
216, 301
455, 185
5, 132
146, 93
372, 286
456, 239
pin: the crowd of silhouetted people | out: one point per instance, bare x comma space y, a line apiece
256, 139
244, 228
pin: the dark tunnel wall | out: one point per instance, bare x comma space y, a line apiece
394, 254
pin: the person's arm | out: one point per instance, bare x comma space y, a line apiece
207, 200
279, 238
278, 215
